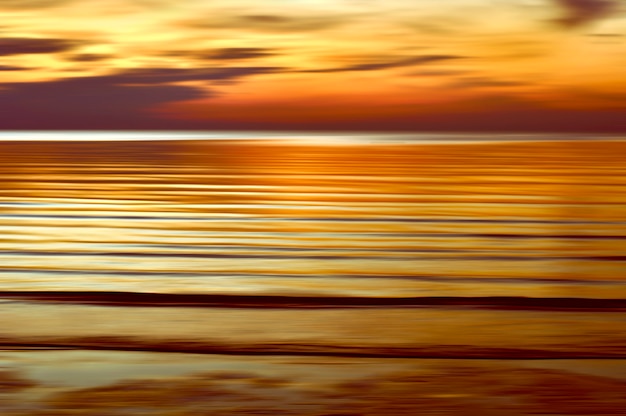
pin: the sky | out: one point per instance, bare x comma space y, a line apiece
353, 65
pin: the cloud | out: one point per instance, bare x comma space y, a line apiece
170, 75
397, 63
119, 100
578, 13
482, 82
87, 57
438, 72
87, 103
268, 22
22, 46
13, 68
236, 53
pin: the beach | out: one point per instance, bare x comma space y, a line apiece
356, 275
66, 382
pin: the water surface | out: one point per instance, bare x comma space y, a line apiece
514, 236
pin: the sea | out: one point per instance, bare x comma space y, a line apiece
322, 246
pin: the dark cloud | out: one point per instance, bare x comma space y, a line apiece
169, 75
236, 53
269, 22
13, 68
397, 63
22, 46
482, 82
438, 73
87, 57
86, 103
118, 100
106, 102
579, 13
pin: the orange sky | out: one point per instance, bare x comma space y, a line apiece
515, 65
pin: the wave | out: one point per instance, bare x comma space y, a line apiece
311, 257
311, 349
385, 277
282, 302
382, 219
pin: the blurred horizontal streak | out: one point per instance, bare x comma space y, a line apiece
326, 214
403, 332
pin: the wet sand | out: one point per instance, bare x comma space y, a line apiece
38, 383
